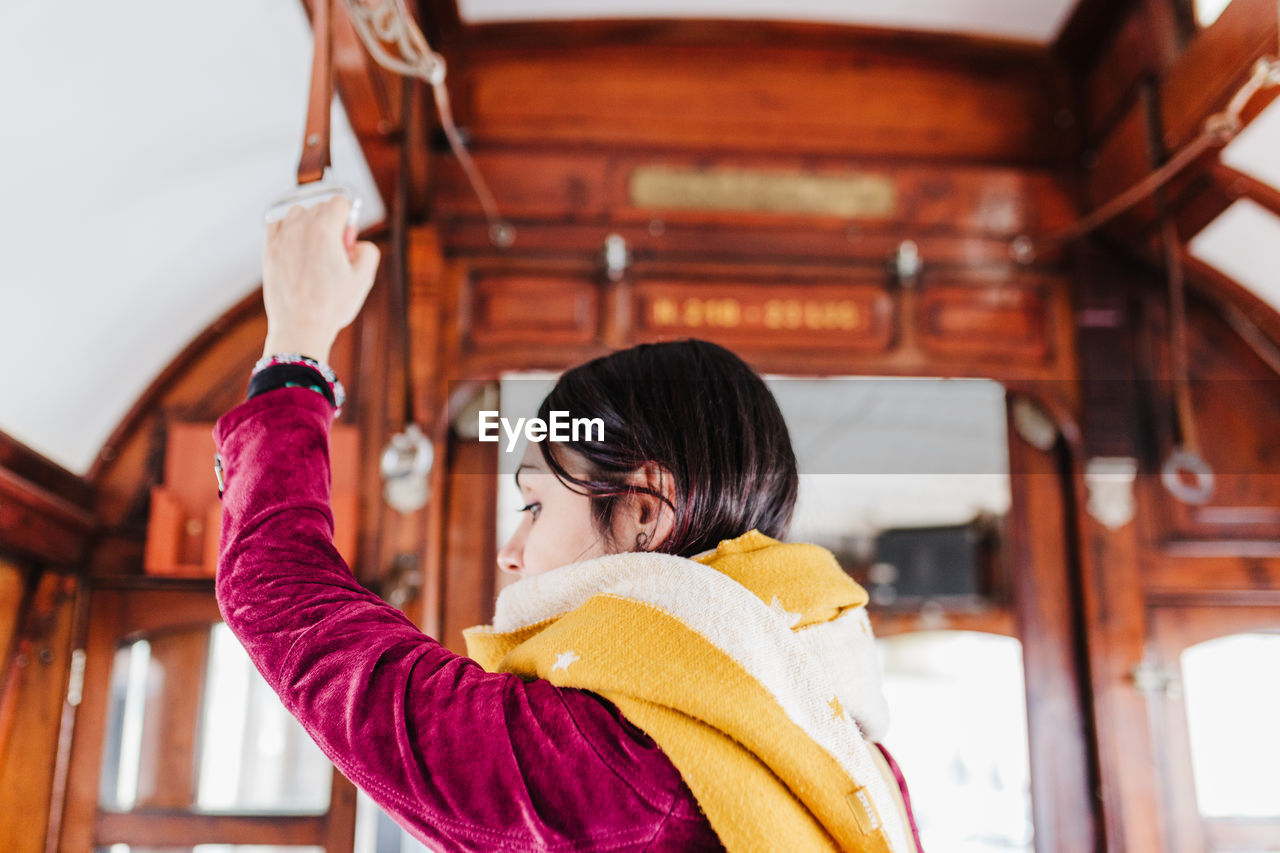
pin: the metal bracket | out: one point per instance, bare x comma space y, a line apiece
1157, 679
1109, 481
404, 581
617, 257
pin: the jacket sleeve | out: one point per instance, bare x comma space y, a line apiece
464, 759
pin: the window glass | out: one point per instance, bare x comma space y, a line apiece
250, 754
1231, 686
959, 731
255, 755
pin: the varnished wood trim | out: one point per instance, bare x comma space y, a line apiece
171, 828
43, 472
985, 51
1086, 32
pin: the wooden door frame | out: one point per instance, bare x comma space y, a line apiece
116, 612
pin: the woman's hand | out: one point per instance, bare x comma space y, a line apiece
314, 280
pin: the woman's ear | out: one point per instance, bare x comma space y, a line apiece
649, 519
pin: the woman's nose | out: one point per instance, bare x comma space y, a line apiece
509, 556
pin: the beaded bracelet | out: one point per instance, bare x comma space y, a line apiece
289, 376
336, 393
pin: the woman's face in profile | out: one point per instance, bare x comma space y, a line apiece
556, 529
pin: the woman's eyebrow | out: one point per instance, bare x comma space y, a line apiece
521, 468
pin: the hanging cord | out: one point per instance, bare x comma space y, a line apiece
1219, 129
383, 23
399, 263
407, 459
1185, 473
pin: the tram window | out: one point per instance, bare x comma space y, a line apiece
874, 454
1231, 687
249, 754
967, 768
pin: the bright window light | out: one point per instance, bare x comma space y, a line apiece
967, 767
1231, 710
1254, 150
1244, 243
1208, 11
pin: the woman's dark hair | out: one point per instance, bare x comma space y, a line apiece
701, 413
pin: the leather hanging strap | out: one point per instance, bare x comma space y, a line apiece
315, 140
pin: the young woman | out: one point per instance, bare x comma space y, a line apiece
666, 674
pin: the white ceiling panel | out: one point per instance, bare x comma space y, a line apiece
1256, 151
1244, 243
142, 141
1029, 20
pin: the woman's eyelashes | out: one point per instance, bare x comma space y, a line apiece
533, 508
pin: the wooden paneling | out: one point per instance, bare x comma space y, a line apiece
13, 591
1237, 579
472, 525
1236, 399
875, 96
30, 711
786, 318
986, 321
531, 309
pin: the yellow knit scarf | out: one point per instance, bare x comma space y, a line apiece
752, 667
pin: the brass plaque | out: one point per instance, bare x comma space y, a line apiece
850, 196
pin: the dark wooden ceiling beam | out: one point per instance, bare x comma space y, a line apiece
40, 525
441, 22
1088, 31
18, 459
45, 512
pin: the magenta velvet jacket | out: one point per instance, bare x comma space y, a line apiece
462, 758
